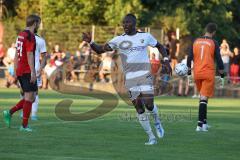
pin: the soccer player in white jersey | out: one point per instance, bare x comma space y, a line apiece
40, 51
132, 47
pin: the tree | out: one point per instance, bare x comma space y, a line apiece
75, 12
117, 9
190, 16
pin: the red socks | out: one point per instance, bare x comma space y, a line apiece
27, 107
17, 107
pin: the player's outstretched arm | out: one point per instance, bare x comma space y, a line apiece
97, 48
163, 51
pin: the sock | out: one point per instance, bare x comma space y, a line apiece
27, 107
205, 112
17, 107
145, 123
200, 123
155, 115
202, 112
35, 106
205, 121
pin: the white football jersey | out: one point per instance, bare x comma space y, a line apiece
133, 53
40, 48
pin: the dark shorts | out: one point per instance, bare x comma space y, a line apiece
26, 86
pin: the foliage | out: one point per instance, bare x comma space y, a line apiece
74, 12
191, 16
118, 8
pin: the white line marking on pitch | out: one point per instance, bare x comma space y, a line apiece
58, 157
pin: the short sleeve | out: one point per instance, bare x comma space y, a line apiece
113, 43
151, 40
30, 44
43, 48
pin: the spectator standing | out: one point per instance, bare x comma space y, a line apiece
153, 50
174, 50
48, 70
85, 50
58, 55
183, 83
11, 52
155, 66
106, 65
167, 44
234, 72
2, 54
225, 54
9, 63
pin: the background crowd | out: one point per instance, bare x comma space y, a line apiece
86, 66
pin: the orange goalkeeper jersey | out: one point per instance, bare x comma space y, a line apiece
204, 52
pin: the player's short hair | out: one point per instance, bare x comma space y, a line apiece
31, 19
211, 27
132, 16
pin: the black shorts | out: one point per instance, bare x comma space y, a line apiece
26, 86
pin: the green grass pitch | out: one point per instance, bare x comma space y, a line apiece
117, 135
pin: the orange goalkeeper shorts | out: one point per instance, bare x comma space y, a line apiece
205, 86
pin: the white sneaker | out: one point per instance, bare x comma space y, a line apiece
201, 129
151, 142
159, 130
205, 127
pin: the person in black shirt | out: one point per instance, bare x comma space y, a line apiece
174, 50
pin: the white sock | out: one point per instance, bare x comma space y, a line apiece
155, 115
35, 106
145, 123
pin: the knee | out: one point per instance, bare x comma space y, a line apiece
140, 110
138, 106
29, 97
149, 106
